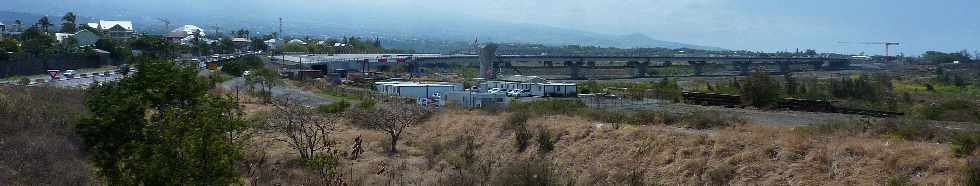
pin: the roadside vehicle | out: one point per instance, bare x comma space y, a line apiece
69, 73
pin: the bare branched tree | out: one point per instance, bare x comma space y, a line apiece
305, 130
393, 120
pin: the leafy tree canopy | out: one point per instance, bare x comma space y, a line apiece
161, 127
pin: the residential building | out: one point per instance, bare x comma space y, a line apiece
62, 37
184, 35
297, 41
115, 29
242, 43
175, 37
273, 43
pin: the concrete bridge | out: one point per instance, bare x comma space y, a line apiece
492, 65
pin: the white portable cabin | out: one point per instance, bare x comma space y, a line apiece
420, 90
416, 89
474, 99
554, 90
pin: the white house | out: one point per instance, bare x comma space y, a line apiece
115, 29
189, 30
297, 41
273, 43
61, 37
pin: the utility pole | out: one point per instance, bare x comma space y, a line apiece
281, 43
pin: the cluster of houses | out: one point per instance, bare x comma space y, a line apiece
122, 30
188, 34
88, 37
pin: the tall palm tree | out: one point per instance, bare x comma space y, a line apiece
44, 23
68, 23
18, 23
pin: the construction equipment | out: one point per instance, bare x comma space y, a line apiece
166, 23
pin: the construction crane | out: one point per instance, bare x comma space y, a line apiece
887, 45
166, 23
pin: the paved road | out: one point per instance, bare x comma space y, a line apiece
84, 82
288, 91
78, 81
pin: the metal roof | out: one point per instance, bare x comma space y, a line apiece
105, 25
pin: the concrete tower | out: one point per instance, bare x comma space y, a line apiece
488, 55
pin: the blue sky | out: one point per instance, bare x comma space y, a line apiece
947, 25
769, 25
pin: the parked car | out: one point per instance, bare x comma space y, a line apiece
497, 91
69, 73
519, 93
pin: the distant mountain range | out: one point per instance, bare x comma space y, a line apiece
425, 33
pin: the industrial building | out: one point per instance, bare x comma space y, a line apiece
554, 90
474, 99
538, 86
416, 89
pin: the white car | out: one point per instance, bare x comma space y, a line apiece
519, 93
497, 91
69, 73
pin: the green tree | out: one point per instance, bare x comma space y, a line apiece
760, 90
44, 23
237, 66
38, 45
8, 45
18, 24
116, 51
68, 23
161, 127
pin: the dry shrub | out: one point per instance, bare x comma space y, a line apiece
38, 145
709, 119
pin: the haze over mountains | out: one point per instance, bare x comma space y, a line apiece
329, 19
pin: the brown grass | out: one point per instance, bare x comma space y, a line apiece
476, 148
587, 155
38, 145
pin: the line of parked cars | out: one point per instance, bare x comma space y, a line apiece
511, 93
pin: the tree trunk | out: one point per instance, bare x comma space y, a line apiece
394, 144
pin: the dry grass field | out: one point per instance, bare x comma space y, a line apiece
477, 148
456, 147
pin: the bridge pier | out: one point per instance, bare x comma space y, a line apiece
816, 65
698, 67
488, 56
640, 69
743, 67
573, 68
784, 67
364, 66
